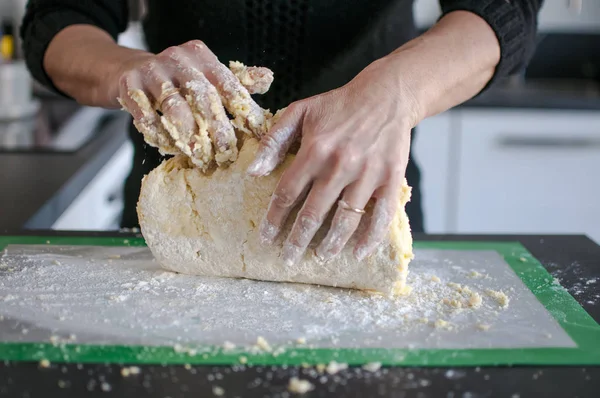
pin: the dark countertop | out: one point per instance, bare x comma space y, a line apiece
569, 257
37, 187
569, 94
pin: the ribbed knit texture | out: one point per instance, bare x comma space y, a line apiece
515, 24
44, 19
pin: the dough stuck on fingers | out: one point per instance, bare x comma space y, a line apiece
209, 114
256, 79
150, 125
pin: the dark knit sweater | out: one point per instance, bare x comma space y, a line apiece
312, 45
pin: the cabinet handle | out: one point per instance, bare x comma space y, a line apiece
548, 142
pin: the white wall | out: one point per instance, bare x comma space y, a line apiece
555, 16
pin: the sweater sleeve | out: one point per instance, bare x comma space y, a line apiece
45, 18
515, 24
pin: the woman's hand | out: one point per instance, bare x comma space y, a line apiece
355, 143
178, 100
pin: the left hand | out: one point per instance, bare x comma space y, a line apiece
355, 143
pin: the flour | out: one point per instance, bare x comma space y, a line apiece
131, 300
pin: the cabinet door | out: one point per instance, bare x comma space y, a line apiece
529, 172
432, 152
100, 202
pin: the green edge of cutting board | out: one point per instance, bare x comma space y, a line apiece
580, 326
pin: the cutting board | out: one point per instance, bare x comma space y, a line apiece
81, 299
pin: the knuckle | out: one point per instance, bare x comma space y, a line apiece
309, 217
196, 44
171, 53
284, 198
318, 151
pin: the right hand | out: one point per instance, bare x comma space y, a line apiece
178, 100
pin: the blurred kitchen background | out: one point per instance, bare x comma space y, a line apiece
522, 158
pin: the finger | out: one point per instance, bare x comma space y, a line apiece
291, 189
134, 99
248, 116
345, 221
383, 213
203, 122
256, 79
275, 144
211, 117
320, 199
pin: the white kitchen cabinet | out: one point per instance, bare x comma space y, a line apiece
528, 171
100, 203
432, 152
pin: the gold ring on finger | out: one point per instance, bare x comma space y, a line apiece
345, 206
165, 95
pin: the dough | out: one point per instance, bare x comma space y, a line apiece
207, 224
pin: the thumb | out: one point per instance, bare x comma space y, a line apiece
275, 144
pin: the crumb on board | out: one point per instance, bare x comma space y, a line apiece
263, 344
435, 278
44, 363
243, 359
484, 327
442, 324
228, 346
301, 340
501, 298
218, 391
298, 386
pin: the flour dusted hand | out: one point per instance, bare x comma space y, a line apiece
179, 100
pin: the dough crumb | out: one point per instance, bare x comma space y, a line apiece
372, 366
56, 262
482, 326
335, 367
475, 300
228, 346
298, 386
501, 298
187, 366
44, 363
320, 367
442, 324
301, 340
435, 279
263, 344
522, 259
218, 391
475, 274
243, 360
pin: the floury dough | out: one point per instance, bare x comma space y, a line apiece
203, 222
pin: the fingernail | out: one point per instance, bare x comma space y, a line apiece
268, 232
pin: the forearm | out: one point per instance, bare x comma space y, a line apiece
84, 61
447, 65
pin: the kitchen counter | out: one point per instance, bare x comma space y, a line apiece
540, 94
37, 186
573, 259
